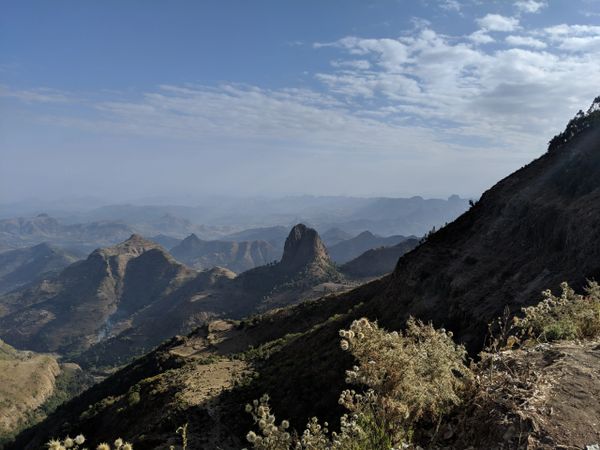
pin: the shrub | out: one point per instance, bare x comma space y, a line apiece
76, 443
568, 316
411, 376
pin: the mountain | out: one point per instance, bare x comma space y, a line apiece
22, 266
531, 231
352, 248
305, 272
377, 261
236, 256
91, 298
334, 236
124, 300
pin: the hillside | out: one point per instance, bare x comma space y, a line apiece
233, 255
349, 249
378, 261
90, 299
32, 384
22, 266
531, 231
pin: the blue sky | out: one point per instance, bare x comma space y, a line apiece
130, 99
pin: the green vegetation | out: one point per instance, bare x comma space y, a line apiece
568, 316
409, 377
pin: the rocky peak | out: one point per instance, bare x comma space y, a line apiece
303, 247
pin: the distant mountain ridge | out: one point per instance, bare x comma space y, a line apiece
22, 266
347, 250
236, 256
377, 261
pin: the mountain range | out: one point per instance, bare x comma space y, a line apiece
530, 232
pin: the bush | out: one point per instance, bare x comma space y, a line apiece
569, 316
411, 376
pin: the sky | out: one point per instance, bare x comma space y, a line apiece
124, 100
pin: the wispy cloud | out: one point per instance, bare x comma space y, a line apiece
38, 95
497, 22
530, 6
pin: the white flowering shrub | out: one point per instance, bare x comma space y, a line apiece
568, 316
415, 375
77, 442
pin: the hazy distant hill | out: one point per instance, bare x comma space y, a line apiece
236, 256
22, 266
83, 237
349, 249
165, 241
274, 235
377, 261
334, 236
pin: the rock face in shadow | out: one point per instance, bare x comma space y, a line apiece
303, 248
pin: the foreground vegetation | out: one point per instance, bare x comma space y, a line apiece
417, 387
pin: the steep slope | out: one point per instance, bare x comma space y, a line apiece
378, 261
349, 249
233, 255
22, 266
26, 381
90, 299
31, 385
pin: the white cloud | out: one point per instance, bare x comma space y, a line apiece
481, 37
513, 95
496, 22
530, 6
573, 38
525, 41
